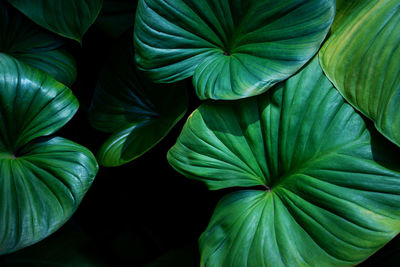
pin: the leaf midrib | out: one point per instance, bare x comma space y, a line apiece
287, 176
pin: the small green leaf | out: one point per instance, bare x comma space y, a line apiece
43, 179
138, 112
234, 49
34, 46
361, 58
70, 18
331, 184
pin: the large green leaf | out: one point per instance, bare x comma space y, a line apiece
362, 57
42, 178
32, 45
70, 18
137, 112
331, 185
234, 49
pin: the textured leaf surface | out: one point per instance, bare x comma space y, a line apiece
34, 46
234, 49
42, 179
137, 112
70, 18
332, 188
362, 57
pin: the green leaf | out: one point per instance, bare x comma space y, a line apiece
361, 58
43, 179
70, 18
387, 256
331, 185
137, 112
34, 46
234, 49
117, 16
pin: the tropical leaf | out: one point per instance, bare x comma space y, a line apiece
117, 16
70, 18
387, 256
136, 111
234, 49
34, 46
331, 184
43, 179
362, 57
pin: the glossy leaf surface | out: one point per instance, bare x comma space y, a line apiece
362, 57
234, 49
42, 179
137, 112
332, 188
70, 18
34, 46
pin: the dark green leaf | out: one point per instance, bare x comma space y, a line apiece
34, 46
361, 58
332, 188
43, 179
182, 257
139, 113
70, 18
69, 246
117, 16
234, 49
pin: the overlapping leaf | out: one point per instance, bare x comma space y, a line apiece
234, 49
362, 57
332, 184
34, 46
137, 112
42, 179
70, 18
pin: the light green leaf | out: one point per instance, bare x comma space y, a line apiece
331, 184
42, 179
70, 18
137, 112
361, 58
234, 49
34, 46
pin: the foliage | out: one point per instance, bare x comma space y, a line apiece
231, 48
298, 133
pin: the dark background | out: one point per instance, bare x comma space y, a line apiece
144, 209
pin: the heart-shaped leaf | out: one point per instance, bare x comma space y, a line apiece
42, 179
361, 58
138, 112
332, 185
70, 18
34, 46
234, 49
